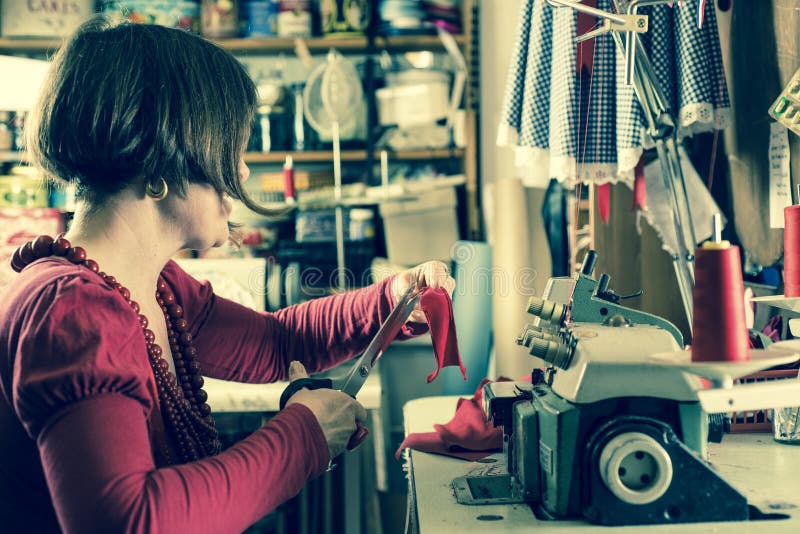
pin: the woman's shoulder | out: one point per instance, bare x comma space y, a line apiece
52, 294
58, 282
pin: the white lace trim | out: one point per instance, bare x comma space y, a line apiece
506, 135
702, 117
535, 168
628, 158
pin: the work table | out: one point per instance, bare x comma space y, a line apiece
766, 472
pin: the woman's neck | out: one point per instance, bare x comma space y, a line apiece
128, 239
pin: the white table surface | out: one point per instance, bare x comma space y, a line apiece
226, 396
767, 473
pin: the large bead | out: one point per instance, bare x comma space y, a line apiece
61, 246
197, 381
168, 298
143, 321
16, 261
43, 246
92, 265
26, 253
149, 336
186, 338
201, 395
180, 325
161, 286
126, 294
205, 409
176, 311
76, 254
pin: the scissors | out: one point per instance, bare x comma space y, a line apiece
351, 382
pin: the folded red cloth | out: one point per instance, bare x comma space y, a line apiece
438, 309
468, 435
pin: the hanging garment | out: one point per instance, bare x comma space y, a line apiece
542, 109
554, 216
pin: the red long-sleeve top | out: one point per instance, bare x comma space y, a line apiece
78, 398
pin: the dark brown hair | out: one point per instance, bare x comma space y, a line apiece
126, 102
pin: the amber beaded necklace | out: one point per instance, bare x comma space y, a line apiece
181, 396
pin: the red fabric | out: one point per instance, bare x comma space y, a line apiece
468, 435
604, 202
438, 309
78, 408
639, 187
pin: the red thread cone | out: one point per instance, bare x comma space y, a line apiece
719, 331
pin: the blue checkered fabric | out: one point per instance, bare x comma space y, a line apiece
545, 95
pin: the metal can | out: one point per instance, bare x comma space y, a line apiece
259, 18
344, 17
294, 18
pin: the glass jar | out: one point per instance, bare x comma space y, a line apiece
786, 424
6, 137
361, 225
219, 18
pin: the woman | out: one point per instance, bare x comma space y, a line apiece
103, 338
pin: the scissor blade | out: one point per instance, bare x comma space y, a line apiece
388, 331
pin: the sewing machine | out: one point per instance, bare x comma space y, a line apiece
604, 432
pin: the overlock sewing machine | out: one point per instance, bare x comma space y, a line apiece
603, 432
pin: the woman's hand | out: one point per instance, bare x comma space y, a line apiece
433, 274
335, 411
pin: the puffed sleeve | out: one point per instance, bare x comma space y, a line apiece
236, 343
81, 390
80, 340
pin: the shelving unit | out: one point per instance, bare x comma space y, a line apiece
314, 156
317, 44
369, 46
353, 155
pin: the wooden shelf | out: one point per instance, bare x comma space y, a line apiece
316, 156
322, 156
10, 156
258, 45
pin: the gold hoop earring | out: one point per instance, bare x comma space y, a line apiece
157, 194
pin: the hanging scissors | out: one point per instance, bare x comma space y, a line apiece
351, 382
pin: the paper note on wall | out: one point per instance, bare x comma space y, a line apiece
780, 184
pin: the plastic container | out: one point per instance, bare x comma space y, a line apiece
420, 230
758, 420
361, 224
411, 105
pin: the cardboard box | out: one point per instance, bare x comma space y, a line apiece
43, 18
421, 230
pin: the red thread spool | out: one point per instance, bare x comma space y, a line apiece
288, 180
791, 251
719, 330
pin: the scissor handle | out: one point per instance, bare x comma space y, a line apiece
308, 383
320, 383
358, 436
